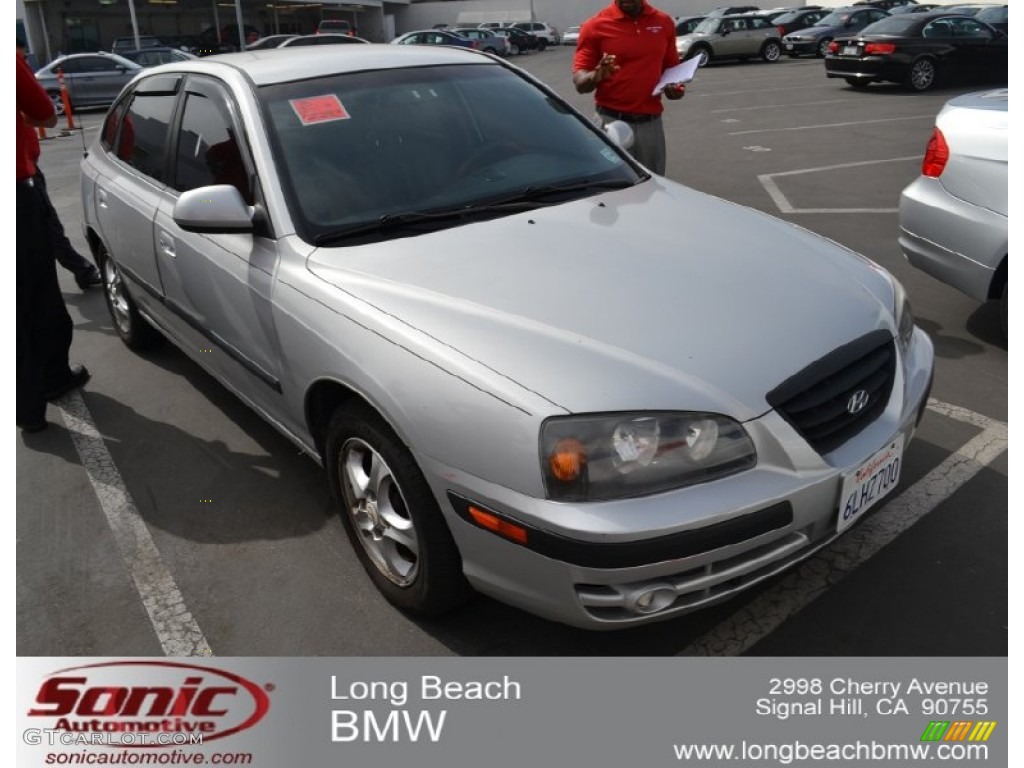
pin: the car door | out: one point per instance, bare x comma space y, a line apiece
979, 51
135, 179
220, 285
100, 79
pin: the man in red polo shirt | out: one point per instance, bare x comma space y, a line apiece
622, 52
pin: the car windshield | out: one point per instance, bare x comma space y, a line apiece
360, 149
993, 15
894, 26
834, 20
708, 26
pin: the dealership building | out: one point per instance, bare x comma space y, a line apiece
54, 27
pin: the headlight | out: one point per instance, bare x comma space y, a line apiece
904, 315
682, 46
616, 456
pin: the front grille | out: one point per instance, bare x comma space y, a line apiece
817, 401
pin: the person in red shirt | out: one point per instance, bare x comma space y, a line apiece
44, 326
622, 52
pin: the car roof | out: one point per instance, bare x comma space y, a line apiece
105, 54
282, 65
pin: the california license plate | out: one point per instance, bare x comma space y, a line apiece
849, 50
871, 482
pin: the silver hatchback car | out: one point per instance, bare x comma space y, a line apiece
597, 421
953, 217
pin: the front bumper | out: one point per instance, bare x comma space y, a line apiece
802, 47
952, 240
608, 565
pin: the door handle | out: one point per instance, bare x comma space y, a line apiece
166, 244
101, 197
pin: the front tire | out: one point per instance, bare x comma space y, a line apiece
133, 329
391, 515
771, 51
922, 75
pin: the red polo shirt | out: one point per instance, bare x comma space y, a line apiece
33, 101
644, 47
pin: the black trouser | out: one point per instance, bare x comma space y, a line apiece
63, 250
44, 326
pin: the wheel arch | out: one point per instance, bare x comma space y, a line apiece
995, 288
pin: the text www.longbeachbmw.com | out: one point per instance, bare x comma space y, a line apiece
787, 753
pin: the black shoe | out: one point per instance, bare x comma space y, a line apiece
78, 375
90, 278
36, 426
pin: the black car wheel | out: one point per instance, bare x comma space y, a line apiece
58, 102
391, 515
922, 75
134, 331
771, 51
823, 47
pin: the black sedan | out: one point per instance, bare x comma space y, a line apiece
918, 50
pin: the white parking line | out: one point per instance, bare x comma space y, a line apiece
781, 106
782, 202
833, 125
174, 625
802, 586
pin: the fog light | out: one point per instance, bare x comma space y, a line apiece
651, 599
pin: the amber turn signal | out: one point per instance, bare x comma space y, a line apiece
568, 459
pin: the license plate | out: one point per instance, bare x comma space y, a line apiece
849, 50
789, 46
870, 483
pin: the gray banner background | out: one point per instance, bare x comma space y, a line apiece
573, 712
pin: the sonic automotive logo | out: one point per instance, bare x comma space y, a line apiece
176, 698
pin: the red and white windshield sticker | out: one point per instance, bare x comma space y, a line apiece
319, 109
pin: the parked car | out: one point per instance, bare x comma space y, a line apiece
435, 37
397, 256
996, 17
731, 37
489, 42
121, 44
546, 34
270, 41
914, 8
793, 21
321, 39
519, 41
953, 218
571, 36
886, 5
336, 26
151, 57
729, 10
841, 22
919, 50
92, 79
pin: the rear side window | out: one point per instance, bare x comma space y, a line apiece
142, 140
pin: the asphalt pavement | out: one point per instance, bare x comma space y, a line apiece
157, 490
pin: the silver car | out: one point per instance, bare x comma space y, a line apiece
91, 79
953, 218
597, 421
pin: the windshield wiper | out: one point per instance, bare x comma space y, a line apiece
524, 200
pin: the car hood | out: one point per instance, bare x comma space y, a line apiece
652, 297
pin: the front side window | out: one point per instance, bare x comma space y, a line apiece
208, 149
355, 149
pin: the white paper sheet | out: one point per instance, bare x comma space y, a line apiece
680, 73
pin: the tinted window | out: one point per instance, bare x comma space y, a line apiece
994, 15
208, 151
142, 141
108, 135
893, 25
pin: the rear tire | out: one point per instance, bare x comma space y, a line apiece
133, 329
822, 49
702, 56
391, 515
922, 75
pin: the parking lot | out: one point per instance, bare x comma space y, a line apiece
160, 490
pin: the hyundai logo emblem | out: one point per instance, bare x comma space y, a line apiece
857, 401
